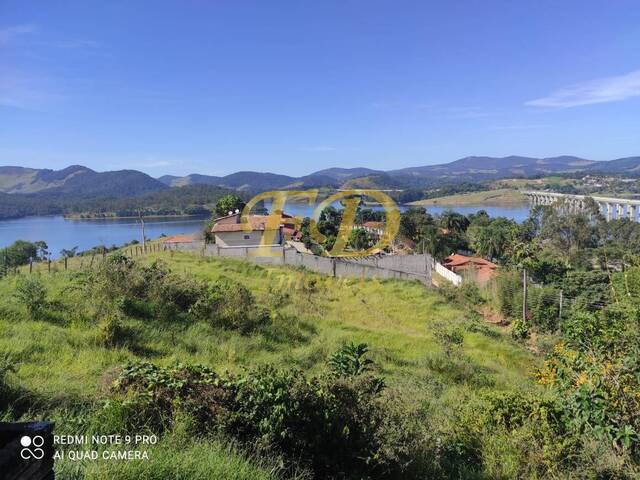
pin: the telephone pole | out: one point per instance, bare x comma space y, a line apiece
144, 240
560, 310
524, 295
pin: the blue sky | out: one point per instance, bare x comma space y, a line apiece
295, 86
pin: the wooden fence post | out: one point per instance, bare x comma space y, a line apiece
30, 264
65, 262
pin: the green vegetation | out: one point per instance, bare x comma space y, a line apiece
272, 370
293, 331
190, 200
500, 197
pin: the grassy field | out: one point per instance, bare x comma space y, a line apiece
499, 197
60, 363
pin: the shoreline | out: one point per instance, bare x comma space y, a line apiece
77, 217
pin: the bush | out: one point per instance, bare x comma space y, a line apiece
337, 426
544, 308
509, 293
519, 329
229, 304
450, 340
350, 361
31, 293
7, 366
111, 332
470, 292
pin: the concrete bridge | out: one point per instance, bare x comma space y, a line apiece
610, 207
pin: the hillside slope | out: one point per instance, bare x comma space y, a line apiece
76, 180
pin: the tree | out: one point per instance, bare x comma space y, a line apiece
414, 222
453, 221
18, 253
329, 221
32, 293
229, 203
69, 252
42, 249
360, 239
494, 240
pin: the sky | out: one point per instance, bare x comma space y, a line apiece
214, 87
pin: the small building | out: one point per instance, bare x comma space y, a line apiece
374, 228
228, 231
476, 268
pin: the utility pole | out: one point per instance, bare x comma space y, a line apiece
144, 241
524, 295
560, 311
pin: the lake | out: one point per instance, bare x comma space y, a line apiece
61, 233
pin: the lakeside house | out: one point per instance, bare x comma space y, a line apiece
477, 268
229, 231
374, 228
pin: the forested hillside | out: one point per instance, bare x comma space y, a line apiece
190, 200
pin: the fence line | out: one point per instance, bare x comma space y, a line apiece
408, 267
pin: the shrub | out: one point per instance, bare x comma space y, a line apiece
337, 426
544, 308
470, 292
31, 293
519, 329
111, 331
350, 361
509, 293
229, 304
450, 340
7, 366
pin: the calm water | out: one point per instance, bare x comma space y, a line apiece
60, 233
518, 214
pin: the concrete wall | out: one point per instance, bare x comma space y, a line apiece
448, 274
407, 267
234, 239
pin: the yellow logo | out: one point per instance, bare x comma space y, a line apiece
351, 200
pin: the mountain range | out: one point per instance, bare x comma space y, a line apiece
81, 181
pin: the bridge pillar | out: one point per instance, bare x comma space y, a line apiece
632, 212
619, 211
609, 211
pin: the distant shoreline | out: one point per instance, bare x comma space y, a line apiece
505, 197
79, 217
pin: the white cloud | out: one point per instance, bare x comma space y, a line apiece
602, 90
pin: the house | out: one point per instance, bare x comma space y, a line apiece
479, 269
228, 231
374, 228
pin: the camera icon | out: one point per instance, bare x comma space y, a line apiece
32, 447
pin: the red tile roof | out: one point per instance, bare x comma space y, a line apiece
372, 224
179, 239
457, 260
